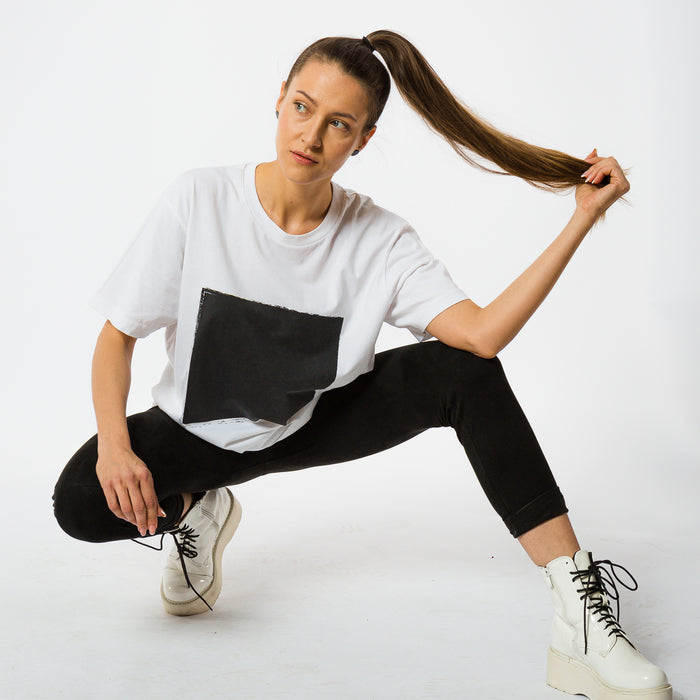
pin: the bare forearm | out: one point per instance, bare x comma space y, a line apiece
486, 331
502, 319
111, 380
125, 479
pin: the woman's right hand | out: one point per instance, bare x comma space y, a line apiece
128, 487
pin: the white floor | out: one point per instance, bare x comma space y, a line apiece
331, 590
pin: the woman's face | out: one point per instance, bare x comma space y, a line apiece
322, 116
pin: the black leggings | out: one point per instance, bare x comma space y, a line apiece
410, 389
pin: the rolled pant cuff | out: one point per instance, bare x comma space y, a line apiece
546, 506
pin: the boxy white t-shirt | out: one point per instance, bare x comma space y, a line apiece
258, 322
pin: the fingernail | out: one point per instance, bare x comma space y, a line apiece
161, 513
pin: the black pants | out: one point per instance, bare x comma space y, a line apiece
410, 389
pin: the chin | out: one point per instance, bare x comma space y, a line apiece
298, 175
303, 174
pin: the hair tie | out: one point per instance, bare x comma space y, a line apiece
368, 44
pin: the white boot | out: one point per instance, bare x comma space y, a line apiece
590, 654
192, 588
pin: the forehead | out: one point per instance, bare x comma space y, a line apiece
330, 87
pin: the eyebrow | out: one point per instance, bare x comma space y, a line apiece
338, 114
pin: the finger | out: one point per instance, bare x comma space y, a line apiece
600, 168
151, 500
607, 167
617, 178
139, 506
125, 505
113, 502
593, 160
590, 174
594, 176
598, 176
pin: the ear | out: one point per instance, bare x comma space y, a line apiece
283, 92
366, 137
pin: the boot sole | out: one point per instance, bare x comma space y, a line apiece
571, 676
196, 606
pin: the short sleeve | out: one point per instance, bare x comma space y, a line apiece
418, 284
142, 292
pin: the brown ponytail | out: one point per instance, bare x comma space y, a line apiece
425, 92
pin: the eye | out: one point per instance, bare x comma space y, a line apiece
339, 124
299, 107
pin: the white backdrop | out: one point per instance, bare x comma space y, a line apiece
105, 103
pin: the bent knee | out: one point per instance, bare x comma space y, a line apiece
76, 510
467, 365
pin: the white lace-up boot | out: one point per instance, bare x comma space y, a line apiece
590, 654
200, 538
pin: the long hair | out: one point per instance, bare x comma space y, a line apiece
425, 92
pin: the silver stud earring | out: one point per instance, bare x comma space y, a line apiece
277, 113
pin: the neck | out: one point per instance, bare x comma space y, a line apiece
295, 208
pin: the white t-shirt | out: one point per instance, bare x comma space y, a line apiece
259, 322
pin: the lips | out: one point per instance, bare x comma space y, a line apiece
303, 158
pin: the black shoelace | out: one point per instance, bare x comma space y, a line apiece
185, 546
597, 580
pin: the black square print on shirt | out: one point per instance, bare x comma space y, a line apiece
257, 361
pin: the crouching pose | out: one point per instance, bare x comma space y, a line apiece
272, 282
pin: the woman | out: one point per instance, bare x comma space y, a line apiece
272, 283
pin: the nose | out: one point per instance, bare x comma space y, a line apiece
313, 134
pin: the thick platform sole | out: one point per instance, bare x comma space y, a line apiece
571, 676
210, 594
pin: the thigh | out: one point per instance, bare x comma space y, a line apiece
421, 386
402, 396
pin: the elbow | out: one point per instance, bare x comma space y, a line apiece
486, 338
488, 353
482, 346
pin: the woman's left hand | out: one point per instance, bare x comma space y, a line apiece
593, 197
